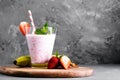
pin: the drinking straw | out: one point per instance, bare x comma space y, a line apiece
31, 20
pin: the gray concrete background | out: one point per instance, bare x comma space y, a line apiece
88, 30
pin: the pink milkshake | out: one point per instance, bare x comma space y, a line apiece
40, 47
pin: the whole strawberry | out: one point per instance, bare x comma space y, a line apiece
53, 63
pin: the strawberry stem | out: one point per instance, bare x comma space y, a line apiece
57, 53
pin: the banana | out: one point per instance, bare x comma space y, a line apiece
23, 61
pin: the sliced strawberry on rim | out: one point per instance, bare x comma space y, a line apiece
24, 27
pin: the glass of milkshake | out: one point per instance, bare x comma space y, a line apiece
40, 46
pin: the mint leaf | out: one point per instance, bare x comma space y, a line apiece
43, 30
38, 31
46, 25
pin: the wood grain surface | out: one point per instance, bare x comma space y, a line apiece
44, 72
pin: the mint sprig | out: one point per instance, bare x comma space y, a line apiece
43, 30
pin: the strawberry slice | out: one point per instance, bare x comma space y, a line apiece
65, 62
53, 63
24, 27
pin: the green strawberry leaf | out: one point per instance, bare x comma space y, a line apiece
56, 53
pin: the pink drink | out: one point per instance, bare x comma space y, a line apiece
40, 47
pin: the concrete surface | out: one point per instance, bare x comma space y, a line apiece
101, 72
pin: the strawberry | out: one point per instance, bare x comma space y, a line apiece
24, 27
53, 63
65, 62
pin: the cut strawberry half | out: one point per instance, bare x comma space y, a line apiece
65, 62
24, 27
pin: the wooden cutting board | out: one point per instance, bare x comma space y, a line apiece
44, 72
